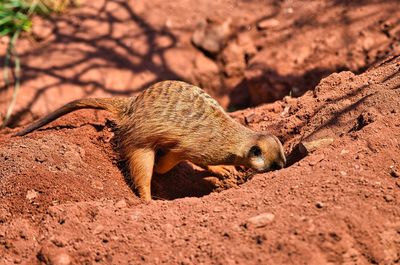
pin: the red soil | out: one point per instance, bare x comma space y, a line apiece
65, 197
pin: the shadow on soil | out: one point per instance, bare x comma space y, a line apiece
98, 53
271, 86
357, 98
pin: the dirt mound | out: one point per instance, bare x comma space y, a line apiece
64, 199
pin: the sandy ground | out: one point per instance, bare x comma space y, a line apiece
66, 199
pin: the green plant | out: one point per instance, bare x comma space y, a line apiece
15, 18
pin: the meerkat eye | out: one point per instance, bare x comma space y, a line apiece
255, 151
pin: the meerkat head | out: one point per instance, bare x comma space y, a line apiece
266, 153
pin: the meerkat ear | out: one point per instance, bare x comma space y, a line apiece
255, 151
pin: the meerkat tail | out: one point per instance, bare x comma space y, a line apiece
113, 105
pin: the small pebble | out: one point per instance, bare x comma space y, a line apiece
252, 118
319, 205
268, 24
54, 256
217, 209
97, 184
260, 220
98, 229
61, 259
344, 151
388, 198
31, 194
120, 204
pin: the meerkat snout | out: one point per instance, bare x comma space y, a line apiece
266, 154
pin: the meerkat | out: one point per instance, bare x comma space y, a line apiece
178, 122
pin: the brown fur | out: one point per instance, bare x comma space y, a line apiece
184, 123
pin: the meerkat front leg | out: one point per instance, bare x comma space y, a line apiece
141, 162
222, 171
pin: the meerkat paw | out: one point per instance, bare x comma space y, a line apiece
222, 171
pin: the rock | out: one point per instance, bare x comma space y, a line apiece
319, 205
268, 23
40, 157
388, 198
97, 184
252, 118
120, 204
285, 111
233, 58
73, 159
61, 259
308, 147
211, 36
218, 209
260, 220
344, 152
54, 256
98, 229
31, 194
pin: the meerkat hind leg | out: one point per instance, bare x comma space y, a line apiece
141, 163
167, 162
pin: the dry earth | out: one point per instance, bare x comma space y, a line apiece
66, 199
